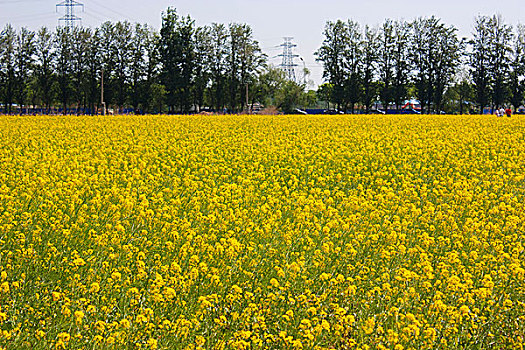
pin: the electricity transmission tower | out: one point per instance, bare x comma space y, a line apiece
69, 19
288, 65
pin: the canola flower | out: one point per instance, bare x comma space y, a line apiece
247, 232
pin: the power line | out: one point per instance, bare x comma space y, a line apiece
28, 19
8, 2
27, 16
97, 17
112, 10
102, 16
70, 19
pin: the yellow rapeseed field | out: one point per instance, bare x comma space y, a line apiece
270, 232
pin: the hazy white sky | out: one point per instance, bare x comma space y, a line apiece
270, 19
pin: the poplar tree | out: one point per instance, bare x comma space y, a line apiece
400, 62
177, 58
353, 64
106, 33
202, 58
517, 75
44, 66
480, 62
387, 50
138, 65
25, 48
436, 51
218, 62
8, 66
92, 74
500, 36
332, 56
80, 47
123, 55
64, 67
370, 60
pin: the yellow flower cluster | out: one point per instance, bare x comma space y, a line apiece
262, 232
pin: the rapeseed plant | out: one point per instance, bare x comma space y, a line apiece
252, 232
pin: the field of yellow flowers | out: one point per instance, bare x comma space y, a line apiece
269, 232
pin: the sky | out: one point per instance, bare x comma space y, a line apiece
271, 20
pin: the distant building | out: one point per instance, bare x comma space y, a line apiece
412, 104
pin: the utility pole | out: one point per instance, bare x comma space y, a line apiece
304, 71
102, 102
69, 19
288, 65
247, 101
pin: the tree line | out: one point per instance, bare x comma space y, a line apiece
184, 68
179, 69
424, 59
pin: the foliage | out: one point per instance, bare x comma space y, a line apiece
274, 232
290, 97
221, 68
517, 68
422, 59
332, 55
436, 54
176, 52
198, 66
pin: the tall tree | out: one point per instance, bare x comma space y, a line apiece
517, 73
422, 55
447, 57
500, 36
122, 50
353, 64
93, 70
80, 47
232, 68
138, 65
106, 35
387, 51
332, 56
436, 50
249, 62
202, 67
45, 66
2, 70
176, 52
153, 93
480, 61
400, 62
64, 66
8, 66
24, 65
370, 60
218, 61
